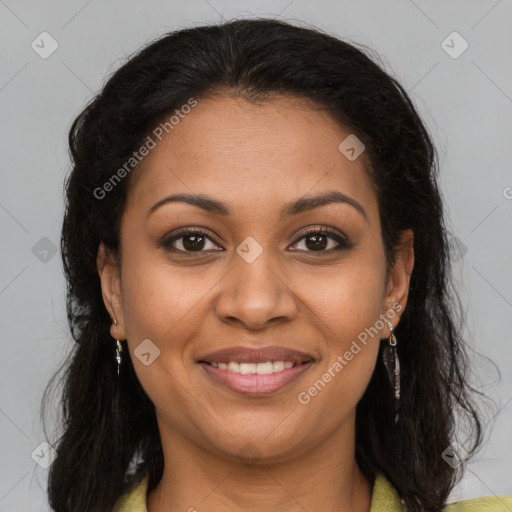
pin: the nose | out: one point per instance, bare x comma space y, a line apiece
255, 294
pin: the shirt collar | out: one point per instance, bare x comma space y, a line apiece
384, 497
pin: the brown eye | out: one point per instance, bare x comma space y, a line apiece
193, 242
189, 241
317, 240
320, 240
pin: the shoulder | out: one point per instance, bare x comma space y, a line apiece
485, 504
385, 498
134, 500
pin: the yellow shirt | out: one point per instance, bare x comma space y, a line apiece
384, 499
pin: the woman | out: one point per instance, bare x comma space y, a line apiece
259, 287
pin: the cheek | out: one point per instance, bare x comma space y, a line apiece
162, 301
348, 304
349, 298
349, 313
162, 304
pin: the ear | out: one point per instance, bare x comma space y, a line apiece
397, 288
109, 273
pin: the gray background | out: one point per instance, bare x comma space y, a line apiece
466, 103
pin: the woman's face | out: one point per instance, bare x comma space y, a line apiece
258, 276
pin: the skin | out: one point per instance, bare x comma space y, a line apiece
254, 158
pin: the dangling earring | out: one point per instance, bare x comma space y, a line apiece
392, 363
119, 350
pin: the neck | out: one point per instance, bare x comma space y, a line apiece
325, 479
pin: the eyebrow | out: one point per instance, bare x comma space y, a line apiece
301, 205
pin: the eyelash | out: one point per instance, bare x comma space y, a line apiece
343, 243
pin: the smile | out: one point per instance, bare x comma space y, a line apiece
264, 368
255, 379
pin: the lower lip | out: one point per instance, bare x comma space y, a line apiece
256, 384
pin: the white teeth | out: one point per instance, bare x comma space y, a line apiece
247, 368
277, 366
264, 368
233, 367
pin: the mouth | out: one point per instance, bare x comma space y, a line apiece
256, 372
260, 368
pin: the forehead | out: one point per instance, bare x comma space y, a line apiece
246, 153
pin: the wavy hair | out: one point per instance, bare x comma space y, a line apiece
109, 440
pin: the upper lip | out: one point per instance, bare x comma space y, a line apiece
256, 355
